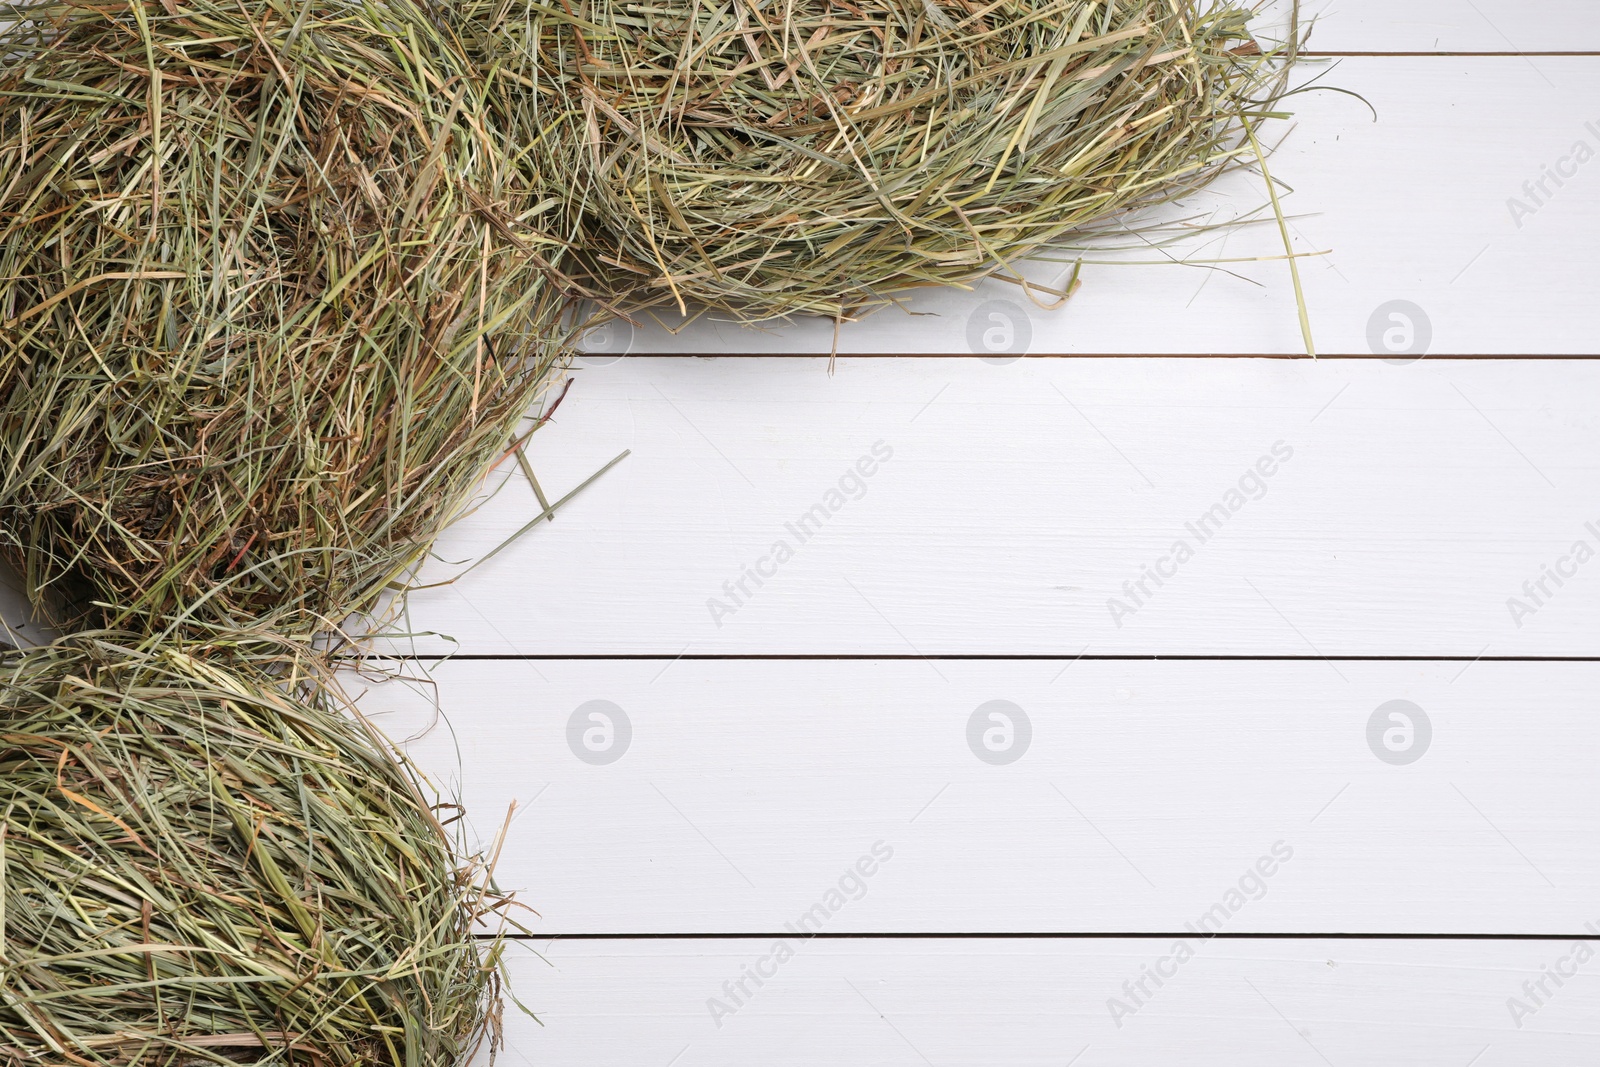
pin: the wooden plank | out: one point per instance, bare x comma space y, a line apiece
732, 796
1415, 207
1002, 1003
1021, 506
1446, 25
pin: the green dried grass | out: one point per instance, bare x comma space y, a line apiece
815, 156
269, 305
203, 861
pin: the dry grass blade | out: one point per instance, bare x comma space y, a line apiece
269, 304
812, 156
204, 862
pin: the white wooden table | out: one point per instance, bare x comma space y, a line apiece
1013, 680
986, 729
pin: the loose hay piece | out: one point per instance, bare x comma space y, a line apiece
813, 156
198, 865
268, 306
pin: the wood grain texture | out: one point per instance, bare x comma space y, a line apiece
744, 792
1003, 1003
1446, 25
1416, 206
1018, 499
1023, 504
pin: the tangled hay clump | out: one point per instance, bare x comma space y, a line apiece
203, 862
270, 304
772, 157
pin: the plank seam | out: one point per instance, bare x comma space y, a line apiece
1450, 55
904, 657
1319, 357
1051, 935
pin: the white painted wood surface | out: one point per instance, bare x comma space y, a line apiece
1019, 499
1448, 25
1141, 794
1038, 1003
1416, 206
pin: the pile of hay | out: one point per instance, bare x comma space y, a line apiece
202, 862
813, 156
279, 283
270, 304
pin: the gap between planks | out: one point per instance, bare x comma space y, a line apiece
1319, 357
1039, 935
1444, 55
909, 657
